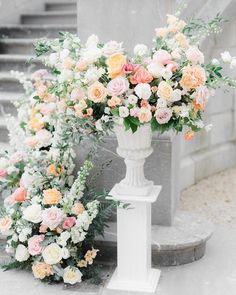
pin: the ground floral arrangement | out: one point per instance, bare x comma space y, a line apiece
51, 217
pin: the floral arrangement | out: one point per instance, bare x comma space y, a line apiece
50, 217
167, 86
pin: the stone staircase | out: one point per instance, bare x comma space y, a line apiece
16, 48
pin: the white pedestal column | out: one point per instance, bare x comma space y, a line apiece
134, 271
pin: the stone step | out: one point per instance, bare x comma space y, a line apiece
17, 46
35, 31
7, 100
9, 84
3, 131
19, 62
50, 17
61, 6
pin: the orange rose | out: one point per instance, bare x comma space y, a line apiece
193, 77
141, 76
115, 64
56, 171
51, 196
97, 92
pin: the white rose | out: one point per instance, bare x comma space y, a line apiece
22, 253
65, 253
140, 49
63, 238
155, 69
226, 57
33, 213
72, 275
52, 254
176, 95
143, 90
123, 112
111, 48
92, 41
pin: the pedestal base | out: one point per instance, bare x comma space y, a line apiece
139, 286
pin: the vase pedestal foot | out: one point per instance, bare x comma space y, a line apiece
134, 271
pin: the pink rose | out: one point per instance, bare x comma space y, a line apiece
117, 86
3, 173
20, 194
163, 115
69, 222
52, 217
194, 55
76, 94
34, 245
141, 76
201, 95
47, 108
162, 57
39, 73
129, 68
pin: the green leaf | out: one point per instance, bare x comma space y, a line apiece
36, 97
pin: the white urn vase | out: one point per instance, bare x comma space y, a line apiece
134, 270
134, 148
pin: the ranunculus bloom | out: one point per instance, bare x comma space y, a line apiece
20, 194
5, 224
144, 115
193, 77
129, 68
194, 55
34, 245
69, 222
117, 86
97, 92
164, 90
115, 64
52, 217
162, 57
51, 196
141, 76
42, 270
3, 173
163, 115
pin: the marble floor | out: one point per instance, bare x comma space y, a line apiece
214, 274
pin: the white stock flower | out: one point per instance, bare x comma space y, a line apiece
143, 90
72, 275
22, 253
140, 49
52, 254
33, 213
226, 57
53, 58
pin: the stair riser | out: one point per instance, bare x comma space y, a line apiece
10, 86
3, 134
60, 7
34, 32
8, 108
44, 19
18, 48
21, 66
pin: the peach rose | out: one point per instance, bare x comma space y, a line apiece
114, 101
5, 224
97, 92
43, 228
81, 65
193, 77
42, 270
78, 208
34, 245
144, 115
115, 64
141, 76
69, 222
165, 91
51, 196
36, 124
20, 194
